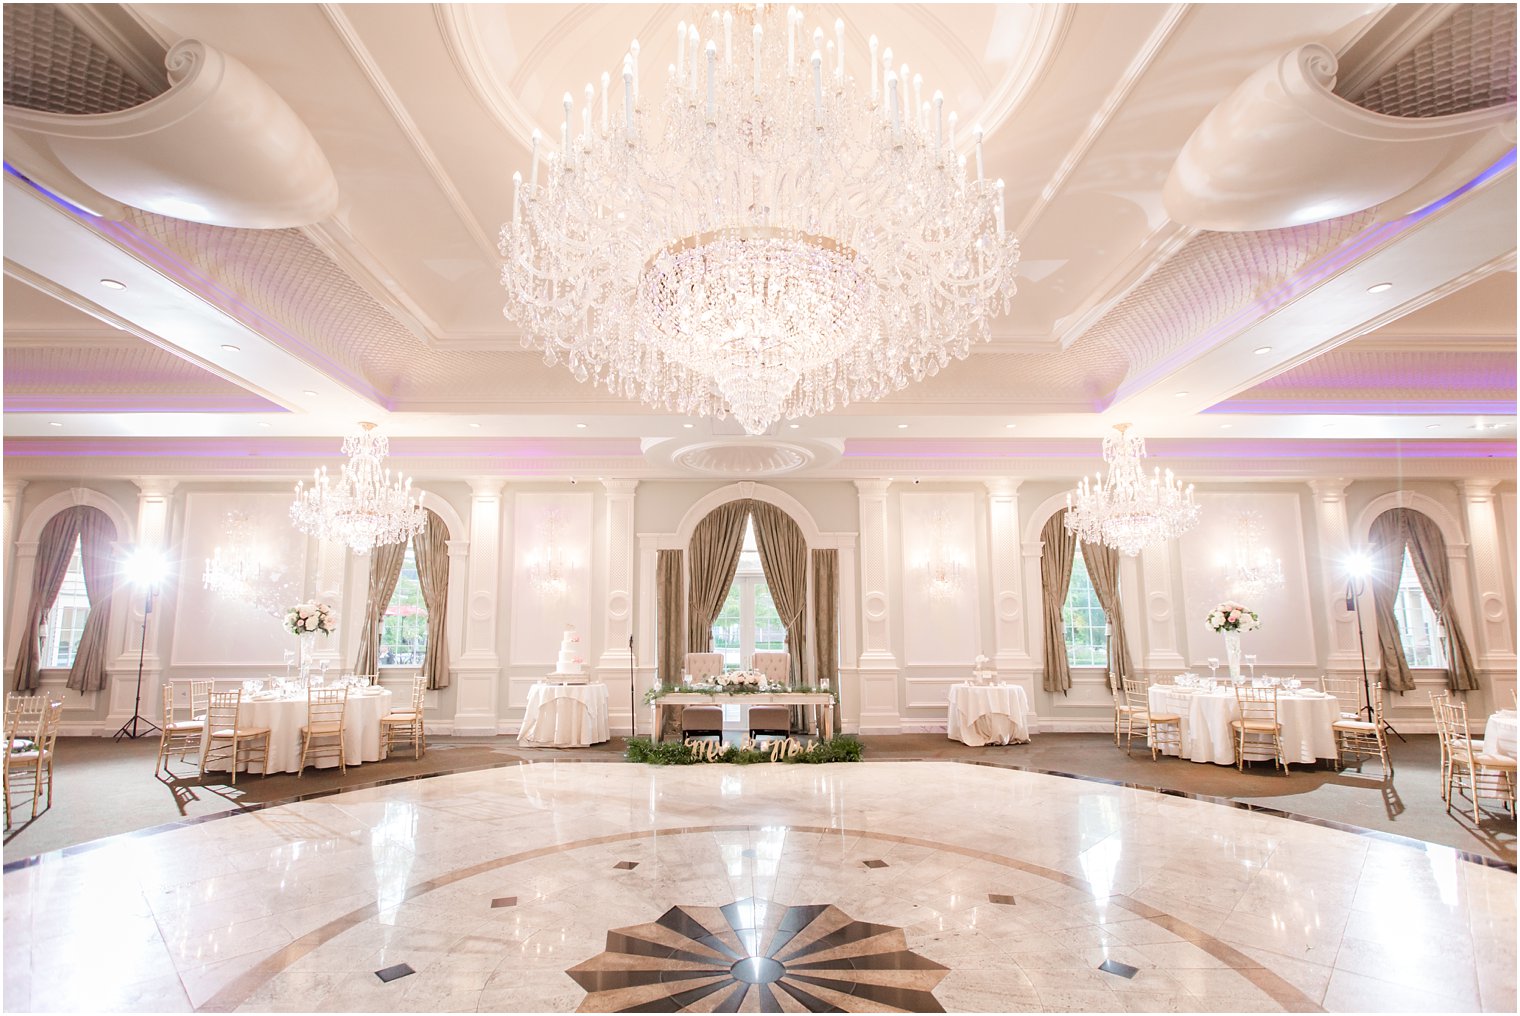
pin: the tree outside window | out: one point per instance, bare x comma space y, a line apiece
60, 634
1419, 628
403, 627
1085, 623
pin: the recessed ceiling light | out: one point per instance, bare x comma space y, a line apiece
54, 423
1183, 395
228, 347
308, 391
580, 426
1432, 426
1009, 426
264, 423
475, 425
113, 284
794, 426
902, 426
1381, 287
688, 426
1225, 426
1262, 350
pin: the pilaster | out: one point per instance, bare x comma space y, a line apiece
880, 699
1159, 605
1010, 645
479, 669
1333, 551
616, 660
11, 522
1494, 640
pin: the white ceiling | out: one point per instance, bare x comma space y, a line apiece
389, 310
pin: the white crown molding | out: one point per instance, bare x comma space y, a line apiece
1386, 341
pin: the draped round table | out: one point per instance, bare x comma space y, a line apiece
286, 716
1499, 734
564, 716
987, 714
1306, 718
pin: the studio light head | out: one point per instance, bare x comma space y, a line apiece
145, 567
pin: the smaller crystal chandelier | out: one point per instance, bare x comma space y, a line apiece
942, 571
1250, 567
234, 571
1128, 510
548, 568
365, 508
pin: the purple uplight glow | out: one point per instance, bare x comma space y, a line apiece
321, 449
1225, 449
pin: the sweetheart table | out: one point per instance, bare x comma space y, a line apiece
821, 703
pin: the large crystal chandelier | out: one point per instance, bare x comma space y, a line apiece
1250, 567
1128, 510
365, 508
768, 239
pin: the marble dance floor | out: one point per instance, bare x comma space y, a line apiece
870, 887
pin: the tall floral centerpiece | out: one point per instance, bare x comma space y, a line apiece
307, 621
1231, 619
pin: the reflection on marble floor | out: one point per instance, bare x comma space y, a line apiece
524, 888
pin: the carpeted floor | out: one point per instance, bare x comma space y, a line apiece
107, 788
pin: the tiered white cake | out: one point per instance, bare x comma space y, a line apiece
569, 664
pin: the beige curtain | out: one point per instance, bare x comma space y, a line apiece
783, 560
431, 547
384, 572
1103, 568
715, 547
826, 615
96, 533
55, 546
671, 618
1386, 548
1427, 552
1057, 554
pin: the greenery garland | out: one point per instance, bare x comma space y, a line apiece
707, 689
843, 748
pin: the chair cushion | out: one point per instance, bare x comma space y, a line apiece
702, 718
770, 718
399, 716
26, 757
1256, 725
228, 732
1360, 726
1495, 761
186, 725
1165, 718
324, 728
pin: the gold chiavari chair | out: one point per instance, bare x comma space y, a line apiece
405, 726
1138, 713
1438, 709
200, 698
325, 716
1348, 690
23, 711
1257, 724
181, 735
245, 745
1475, 773
1122, 708
30, 745
1359, 739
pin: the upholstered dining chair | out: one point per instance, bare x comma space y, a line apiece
406, 725
704, 666
776, 667
702, 721
183, 736
325, 712
245, 744
770, 720
1356, 739
29, 750
1257, 725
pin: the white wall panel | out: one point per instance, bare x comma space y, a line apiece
538, 616
1286, 637
941, 625
211, 630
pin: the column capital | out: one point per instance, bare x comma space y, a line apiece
1004, 486
483, 487
872, 488
1476, 491
13, 488
457, 548
1033, 548
155, 486
1330, 488
620, 488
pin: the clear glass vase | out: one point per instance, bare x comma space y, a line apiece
1232, 653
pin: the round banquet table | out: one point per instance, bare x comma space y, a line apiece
564, 716
1306, 718
987, 714
1499, 734
286, 716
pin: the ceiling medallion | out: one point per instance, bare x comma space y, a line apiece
365, 508
769, 239
1128, 510
759, 956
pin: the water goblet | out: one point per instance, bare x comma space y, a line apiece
1251, 663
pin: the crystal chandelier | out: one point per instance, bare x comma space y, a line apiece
235, 573
942, 571
365, 508
1128, 510
1250, 569
770, 239
548, 569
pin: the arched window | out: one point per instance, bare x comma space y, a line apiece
748, 620
1085, 623
60, 634
404, 625
1419, 627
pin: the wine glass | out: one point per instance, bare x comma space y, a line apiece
1213, 667
1251, 664
290, 660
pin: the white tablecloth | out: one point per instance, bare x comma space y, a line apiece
565, 715
285, 718
1206, 716
987, 714
1499, 734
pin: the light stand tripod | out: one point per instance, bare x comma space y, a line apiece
130, 728
633, 709
1354, 587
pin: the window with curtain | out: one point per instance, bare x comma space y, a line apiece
403, 627
66, 617
1086, 624
1419, 628
748, 621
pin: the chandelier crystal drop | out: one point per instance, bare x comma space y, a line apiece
365, 508
770, 239
1128, 510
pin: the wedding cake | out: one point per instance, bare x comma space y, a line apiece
569, 664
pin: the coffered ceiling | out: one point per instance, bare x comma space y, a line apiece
244, 351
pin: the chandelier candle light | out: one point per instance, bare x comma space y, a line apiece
365, 508
1128, 510
769, 240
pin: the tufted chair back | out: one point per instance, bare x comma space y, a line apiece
704, 665
775, 666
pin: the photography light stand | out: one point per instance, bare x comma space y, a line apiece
633, 709
130, 728
1354, 587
